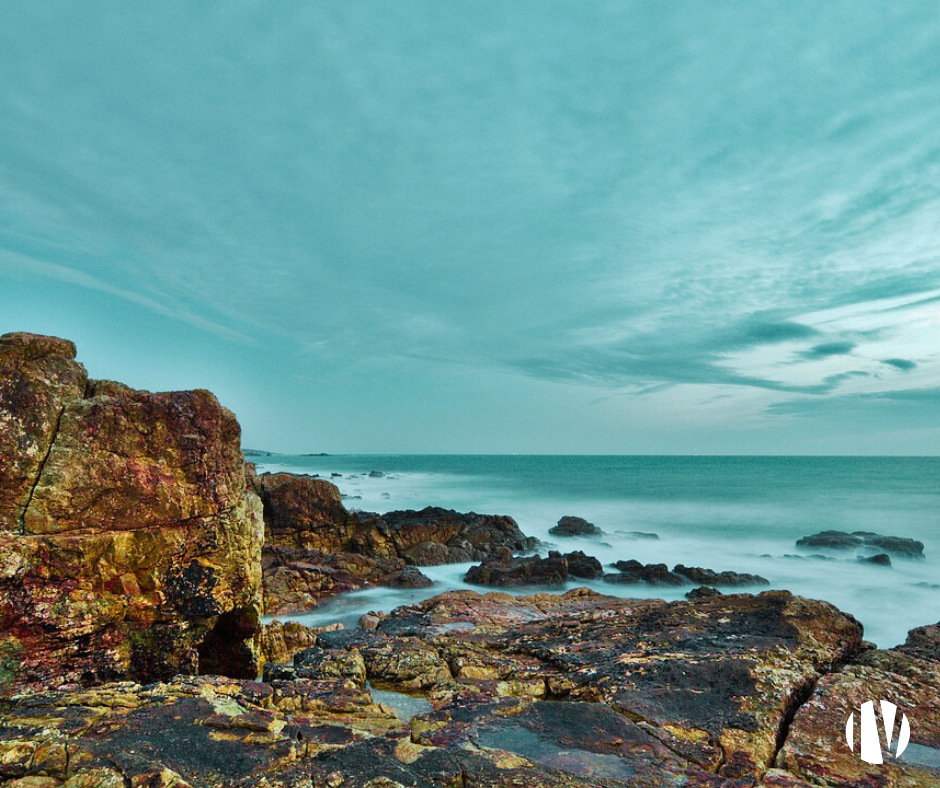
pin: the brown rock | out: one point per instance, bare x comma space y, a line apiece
816, 749
304, 512
130, 547
38, 377
299, 580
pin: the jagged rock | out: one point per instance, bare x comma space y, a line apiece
280, 640
574, 526
709, 577
465, 537
815, 748
505, 570
632, 572
583, 566
638, 535
898, 545
840, 540
555, 569
346, 550
305, 513
546, 691
130, 546
410, 577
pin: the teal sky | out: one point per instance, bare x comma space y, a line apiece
563, 227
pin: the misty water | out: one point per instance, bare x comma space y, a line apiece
725, 513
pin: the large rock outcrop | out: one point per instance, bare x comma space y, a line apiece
129, 544
315, 548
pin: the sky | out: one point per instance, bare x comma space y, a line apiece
489, 227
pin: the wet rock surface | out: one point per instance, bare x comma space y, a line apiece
506, 570
299, 580
129, 546
577, 689
906, 676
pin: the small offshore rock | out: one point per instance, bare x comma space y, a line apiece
633, 572
574, 526
709, 577
702, 592
505, 570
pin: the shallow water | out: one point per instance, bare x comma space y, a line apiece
737, 513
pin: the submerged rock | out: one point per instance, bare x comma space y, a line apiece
840, 540
632, 572
130, 546
882, 559
709, 577
574, 526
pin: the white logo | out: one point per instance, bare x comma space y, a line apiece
870, 739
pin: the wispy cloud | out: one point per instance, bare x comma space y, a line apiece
903, 364
827, 349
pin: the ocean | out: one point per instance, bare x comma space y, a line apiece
724, 513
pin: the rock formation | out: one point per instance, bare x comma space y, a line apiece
574, 526
129, 545
506, 570
546, 691
315, 548
633, 572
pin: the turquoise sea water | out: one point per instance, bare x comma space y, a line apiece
738, 513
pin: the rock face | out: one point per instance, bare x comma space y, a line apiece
545, 691
574, 526
129, 545
840, 540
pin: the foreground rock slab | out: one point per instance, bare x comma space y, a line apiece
577, 689
908, 677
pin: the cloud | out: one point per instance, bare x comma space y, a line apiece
755, 330
902, 364
888, 407
826, 350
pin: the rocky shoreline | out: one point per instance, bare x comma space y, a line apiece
138, 552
